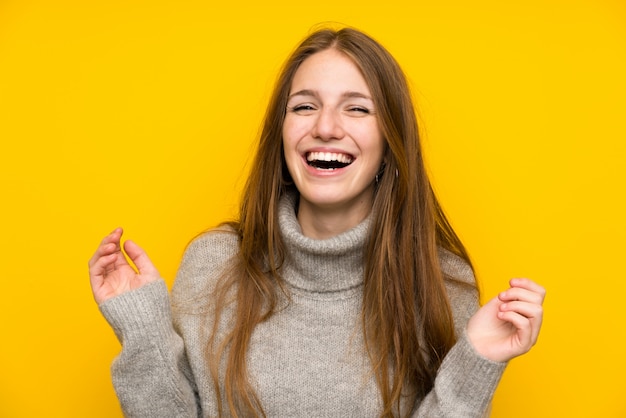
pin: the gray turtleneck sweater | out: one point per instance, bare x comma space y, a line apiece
307, 360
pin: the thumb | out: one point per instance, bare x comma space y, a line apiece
140, 259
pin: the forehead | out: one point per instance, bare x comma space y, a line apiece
329, 70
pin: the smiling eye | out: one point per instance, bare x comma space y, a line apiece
302, 109
358, 111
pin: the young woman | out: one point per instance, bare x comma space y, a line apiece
342, 291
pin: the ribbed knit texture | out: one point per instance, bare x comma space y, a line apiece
308, 360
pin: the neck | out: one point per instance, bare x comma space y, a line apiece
327, 222
323, 266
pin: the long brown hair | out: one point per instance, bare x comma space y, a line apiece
407, 320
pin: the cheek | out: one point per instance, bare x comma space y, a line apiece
378, 143
289, 143
372, 141
296, 127
289, 147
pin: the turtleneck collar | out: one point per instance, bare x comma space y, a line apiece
320, 266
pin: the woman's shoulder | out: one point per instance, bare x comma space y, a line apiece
461, 287
217, 243
455, 268
205, 260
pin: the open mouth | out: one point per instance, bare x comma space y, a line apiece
328, 160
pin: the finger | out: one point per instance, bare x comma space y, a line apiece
525, 335
524, 283
99, 269
534, 295
529, 310
139, 258
108, 245
523, 295
532, 312
114, 236
102, 251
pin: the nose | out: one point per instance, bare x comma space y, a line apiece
328, 125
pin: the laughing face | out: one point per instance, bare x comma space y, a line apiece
333, 145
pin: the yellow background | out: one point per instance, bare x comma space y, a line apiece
143, 114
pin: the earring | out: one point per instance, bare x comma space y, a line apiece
380, 173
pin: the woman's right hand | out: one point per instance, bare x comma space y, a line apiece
111, 274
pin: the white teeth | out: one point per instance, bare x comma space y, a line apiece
329, 156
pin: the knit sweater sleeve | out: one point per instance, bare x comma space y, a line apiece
151, 375
465, 381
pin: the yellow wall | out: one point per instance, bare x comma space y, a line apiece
143, 113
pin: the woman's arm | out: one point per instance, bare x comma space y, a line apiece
151, 375
464, 385
489, 337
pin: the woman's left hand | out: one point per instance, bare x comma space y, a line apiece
508, 325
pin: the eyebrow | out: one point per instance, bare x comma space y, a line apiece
313, 93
